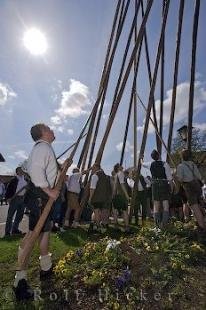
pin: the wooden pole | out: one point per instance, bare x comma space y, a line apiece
176, 67
162, 88
135, 101
150, 76
105, 75
151, 96
192, 77
123, 84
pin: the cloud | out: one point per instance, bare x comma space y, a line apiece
70, 132
6, 93
21, 154
11, 156
60, 129
75, 101
202, 126
56, 120
128, 146
182, 101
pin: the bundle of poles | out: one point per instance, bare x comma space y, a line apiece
137, 38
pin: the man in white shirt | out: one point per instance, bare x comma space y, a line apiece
15, 195
42, 168
73, 191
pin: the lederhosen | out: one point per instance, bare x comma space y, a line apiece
160, 186
35, 200
103, 192
119, 201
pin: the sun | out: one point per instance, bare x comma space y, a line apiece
35, 41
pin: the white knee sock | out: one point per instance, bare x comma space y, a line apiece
45, 262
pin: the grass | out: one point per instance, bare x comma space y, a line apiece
167, 268
60, 244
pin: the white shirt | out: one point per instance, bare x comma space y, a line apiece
120, 176
166, 166
130, 182
94, 180
187, 171
42, 165
21, 183
73, 184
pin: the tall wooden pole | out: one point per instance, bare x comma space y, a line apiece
192, 77
162, 88
123, 84
135, 100
176, 69
150, 102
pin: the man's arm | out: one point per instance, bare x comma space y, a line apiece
93, 185
91, 193
120, 176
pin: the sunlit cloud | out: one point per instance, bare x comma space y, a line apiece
70, 132
75, 101
56, 120
6, 93
21, 154
129, 147
201, 126
182, 102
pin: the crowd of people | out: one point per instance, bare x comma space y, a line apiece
100, 202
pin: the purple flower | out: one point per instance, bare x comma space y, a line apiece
127, 275
120, 282
79, 252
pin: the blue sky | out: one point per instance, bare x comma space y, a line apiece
60, 87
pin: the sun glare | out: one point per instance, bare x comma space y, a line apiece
35, 41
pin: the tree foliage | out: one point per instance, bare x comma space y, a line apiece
198, 145
198, 141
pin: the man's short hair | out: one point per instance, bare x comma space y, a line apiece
97, 166
116, 167
155, 155
18, 169
75, 170
186, 154
36, 131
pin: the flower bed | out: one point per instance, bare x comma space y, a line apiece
150, 269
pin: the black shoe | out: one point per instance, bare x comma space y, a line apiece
7, 234
23, 291
44, 275
17, 232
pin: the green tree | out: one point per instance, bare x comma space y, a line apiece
198, 141
198, 145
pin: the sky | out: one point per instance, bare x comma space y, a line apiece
60, 86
